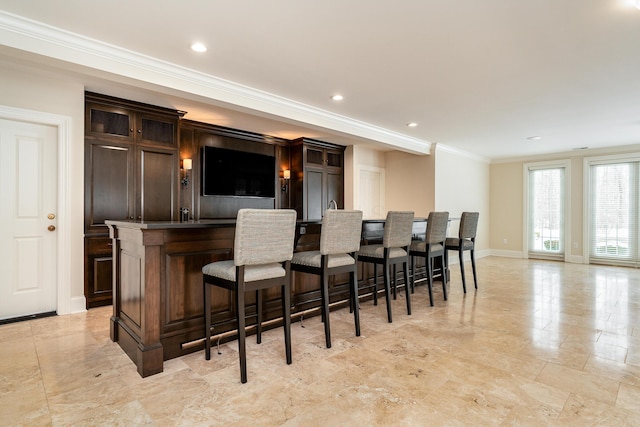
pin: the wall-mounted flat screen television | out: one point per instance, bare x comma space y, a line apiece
237, 173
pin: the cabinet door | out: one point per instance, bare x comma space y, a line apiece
334, 159
108, 184
314, 194
98, 271
109, 122
157, 185
314, 156
157, 130
335, 188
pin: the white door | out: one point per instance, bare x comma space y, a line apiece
28, 242
371, 189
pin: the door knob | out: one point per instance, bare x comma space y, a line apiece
51, 216
51, 227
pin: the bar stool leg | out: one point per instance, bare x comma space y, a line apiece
412, 261
325, 309
356, 303
444, 278
241, 333
286, 316
473, 267
405, 267
207, 321
461, 259
395, 280
387, 289
259, 316
430, 278
375, 284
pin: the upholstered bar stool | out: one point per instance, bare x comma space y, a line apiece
432, 247
339, 243
263, 248
466, 241
394, 250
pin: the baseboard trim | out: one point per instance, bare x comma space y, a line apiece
78, 304
575, 259
506, 254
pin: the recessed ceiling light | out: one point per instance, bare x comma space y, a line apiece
198, 47
337, 97
412, 124
534, 138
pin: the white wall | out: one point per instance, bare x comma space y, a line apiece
410, 182
462, 184
32, 89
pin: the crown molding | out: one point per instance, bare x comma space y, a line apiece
42, 39
452, 150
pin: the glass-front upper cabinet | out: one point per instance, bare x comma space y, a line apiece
324, 157
107, 121
131, 123
315, 156
156, 130
334, 158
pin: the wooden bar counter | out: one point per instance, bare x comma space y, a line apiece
158, 297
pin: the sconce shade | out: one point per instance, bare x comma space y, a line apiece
186, 164
286, 174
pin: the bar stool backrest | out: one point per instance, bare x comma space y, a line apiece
437, 227
264, 236
468, 225
398, 229
341, 232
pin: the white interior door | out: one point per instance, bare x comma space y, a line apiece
371, 187
28, 194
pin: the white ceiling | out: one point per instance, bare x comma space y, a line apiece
477, 76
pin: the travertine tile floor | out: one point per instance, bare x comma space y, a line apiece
540, 343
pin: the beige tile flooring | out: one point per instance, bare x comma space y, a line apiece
540, 343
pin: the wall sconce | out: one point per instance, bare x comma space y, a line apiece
286, 176
186, 166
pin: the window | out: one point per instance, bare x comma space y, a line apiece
545, 201
614, 211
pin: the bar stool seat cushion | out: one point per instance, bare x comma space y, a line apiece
422, 247
377, 251
227, 270
454, 242
314, 259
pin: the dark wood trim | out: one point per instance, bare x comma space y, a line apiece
128, 104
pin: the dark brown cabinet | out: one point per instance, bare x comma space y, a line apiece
131, 172
317, 177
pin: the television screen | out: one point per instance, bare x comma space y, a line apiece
237, 173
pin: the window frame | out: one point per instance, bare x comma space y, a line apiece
566, 240
588, 162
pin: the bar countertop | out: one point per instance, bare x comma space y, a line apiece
150, 225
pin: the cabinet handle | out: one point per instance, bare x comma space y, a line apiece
131, 130
131, 217
139, 131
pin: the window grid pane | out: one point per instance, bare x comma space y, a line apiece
546, 211
614, 212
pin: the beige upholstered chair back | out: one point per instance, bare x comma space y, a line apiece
341, 232
398, 229
264, 236
468, 225
437, 227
